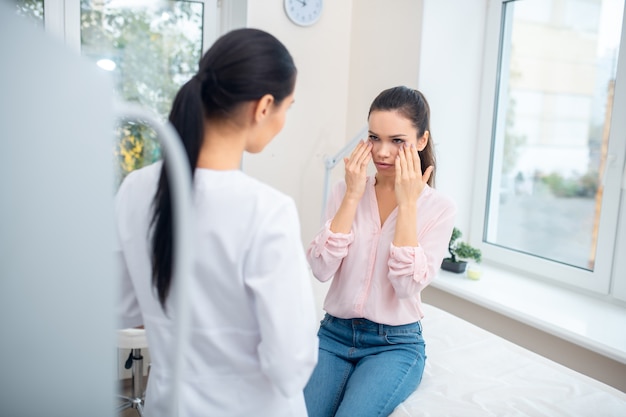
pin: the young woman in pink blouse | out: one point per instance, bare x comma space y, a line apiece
383, 242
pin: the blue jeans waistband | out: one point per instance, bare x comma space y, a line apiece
366, 325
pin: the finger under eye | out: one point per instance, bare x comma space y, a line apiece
402, 152
415, 153
409, 157
402, 159
365, 155
364, 150
358, 149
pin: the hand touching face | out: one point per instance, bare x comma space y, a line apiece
356, 169
409, 180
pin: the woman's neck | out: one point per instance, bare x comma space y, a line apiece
384, 182
222, 148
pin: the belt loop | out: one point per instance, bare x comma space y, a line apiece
419, 325
381, 329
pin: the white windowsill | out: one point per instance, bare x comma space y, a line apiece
590, 322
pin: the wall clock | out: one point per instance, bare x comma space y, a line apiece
304, 12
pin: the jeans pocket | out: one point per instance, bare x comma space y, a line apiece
404, 337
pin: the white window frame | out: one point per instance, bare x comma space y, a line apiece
609, 275
618, 285
62, 20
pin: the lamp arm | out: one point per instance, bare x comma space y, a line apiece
180, 185
331, 161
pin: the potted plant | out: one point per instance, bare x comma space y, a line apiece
458, 252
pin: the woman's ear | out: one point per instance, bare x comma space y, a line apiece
263, 107
423, 141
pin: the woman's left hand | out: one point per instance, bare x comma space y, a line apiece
410, 181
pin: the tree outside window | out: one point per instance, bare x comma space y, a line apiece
151, 49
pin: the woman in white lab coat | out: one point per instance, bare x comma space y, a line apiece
253, 342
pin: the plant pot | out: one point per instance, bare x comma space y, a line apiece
457, 267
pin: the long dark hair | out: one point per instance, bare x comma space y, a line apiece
241, 66
413, 105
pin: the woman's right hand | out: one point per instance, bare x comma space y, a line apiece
356, 178
356, 170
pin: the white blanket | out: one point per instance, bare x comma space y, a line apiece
472, 372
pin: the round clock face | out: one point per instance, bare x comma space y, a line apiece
303, 12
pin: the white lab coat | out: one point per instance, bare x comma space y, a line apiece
253, 342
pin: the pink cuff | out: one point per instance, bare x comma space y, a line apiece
333, 242
407, 261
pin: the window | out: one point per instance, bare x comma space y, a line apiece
150, 48
31, 10
557, 140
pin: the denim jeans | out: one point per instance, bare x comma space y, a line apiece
364, 368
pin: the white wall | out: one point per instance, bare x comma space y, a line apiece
355, 50
450, 76
384, 53
316, 123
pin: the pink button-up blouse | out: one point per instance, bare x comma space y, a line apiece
373, 278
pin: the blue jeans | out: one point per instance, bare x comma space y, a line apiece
364, 368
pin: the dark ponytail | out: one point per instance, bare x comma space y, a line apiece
411, 104
241, 66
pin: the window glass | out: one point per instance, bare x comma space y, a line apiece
151, 48
31, 10
553, 112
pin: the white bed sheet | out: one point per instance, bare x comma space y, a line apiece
472, 372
